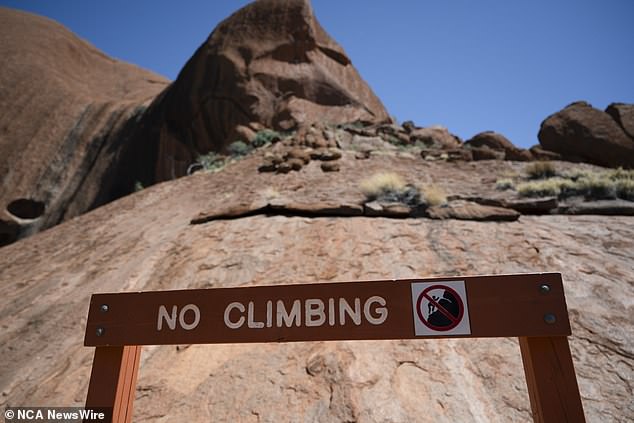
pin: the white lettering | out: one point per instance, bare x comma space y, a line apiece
269, 314
331, 311
344, 308
170, 320
181, 317
228, 322
314, 312
287, 319
275, 313
381, 311
251, 323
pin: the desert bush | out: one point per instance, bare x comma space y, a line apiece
211, 161
625, 189
504, 184
621, 174
264, 137
540, 170
596, 186
238, 149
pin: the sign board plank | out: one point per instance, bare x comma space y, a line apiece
493, 306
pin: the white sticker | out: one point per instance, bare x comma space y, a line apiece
440, 308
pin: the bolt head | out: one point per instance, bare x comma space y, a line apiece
544, 288
550, 318
104, 308
100, 331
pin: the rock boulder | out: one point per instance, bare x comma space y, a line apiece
593, 135
499, 142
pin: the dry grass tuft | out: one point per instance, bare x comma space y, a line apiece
540, 170
504, 184
381, 184
434, 196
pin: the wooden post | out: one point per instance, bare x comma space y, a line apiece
113, 380
551, 380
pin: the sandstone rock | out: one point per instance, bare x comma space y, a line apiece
270, 62
541, 205
409, 126
581, 130
459, 154
539, 153
267, 166
284, 167
295, 164
274, 158
465, 210
330, 166
623, 114
486, 153
435, 137
68, 121
491, 139
243, 133
379, 208
300, 154
319, 209
326, 154
497, 141
599, 207
145, 242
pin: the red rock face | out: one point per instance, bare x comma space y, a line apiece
269, 63
65, 124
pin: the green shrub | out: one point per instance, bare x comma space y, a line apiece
138, 186
238, 149
264, 137
211, 161
540, 170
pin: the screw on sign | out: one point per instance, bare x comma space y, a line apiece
440, 308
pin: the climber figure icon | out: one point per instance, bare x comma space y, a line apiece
439, 308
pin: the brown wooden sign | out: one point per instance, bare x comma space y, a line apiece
487, 306
531, 307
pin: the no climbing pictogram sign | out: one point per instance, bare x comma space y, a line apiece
440, 308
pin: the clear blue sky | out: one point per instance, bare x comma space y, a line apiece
468, 65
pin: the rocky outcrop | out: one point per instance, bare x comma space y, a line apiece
146, 242
623, 114
67, 123
466, 210
435, 137
269, 63
498, 142
580, 130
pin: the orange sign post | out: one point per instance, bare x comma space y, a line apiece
531, 307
